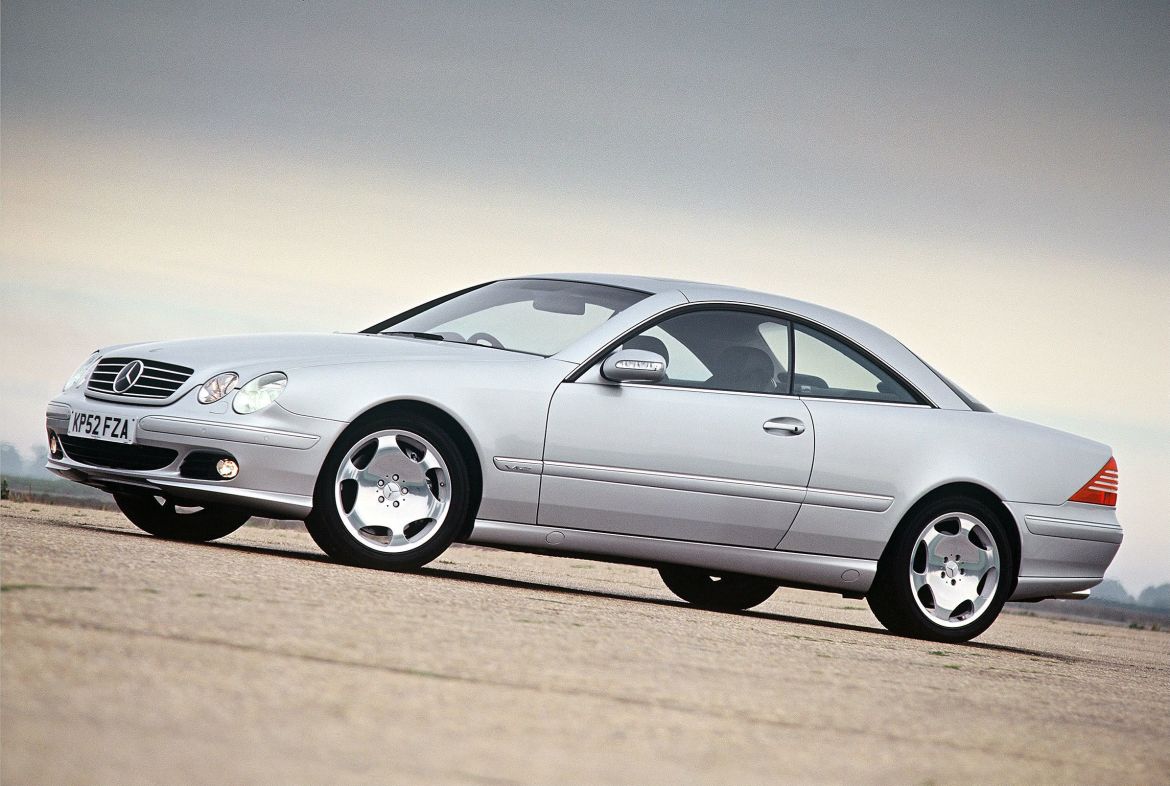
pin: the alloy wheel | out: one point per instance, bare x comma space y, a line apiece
955, 569
392, 491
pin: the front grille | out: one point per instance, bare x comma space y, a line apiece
157, 381
115, 455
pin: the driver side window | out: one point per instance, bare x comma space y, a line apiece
721, 349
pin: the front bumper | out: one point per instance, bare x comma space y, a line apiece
279, 453
1064, 549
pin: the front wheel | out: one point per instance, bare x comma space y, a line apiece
165, 519
946, 574
393, 494
720, 591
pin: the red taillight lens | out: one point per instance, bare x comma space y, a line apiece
1102, 489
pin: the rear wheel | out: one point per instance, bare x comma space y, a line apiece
946, 573
393, 494
166, 519
722, 591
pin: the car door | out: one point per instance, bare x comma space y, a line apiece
718, 452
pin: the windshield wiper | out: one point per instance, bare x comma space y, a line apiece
414, 334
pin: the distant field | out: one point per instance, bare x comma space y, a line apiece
56, 491
1098, 611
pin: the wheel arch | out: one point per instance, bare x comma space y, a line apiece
454, 429
974, 491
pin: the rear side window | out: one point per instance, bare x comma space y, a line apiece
828, 368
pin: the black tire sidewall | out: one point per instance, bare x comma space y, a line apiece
892, 598
329, 531
734, 592
210, 523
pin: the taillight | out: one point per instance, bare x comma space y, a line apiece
1102, 489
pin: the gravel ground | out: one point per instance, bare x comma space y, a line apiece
127, 659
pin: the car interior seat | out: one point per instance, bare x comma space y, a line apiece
743, 368
807, 383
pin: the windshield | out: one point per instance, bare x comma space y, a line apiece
537, 316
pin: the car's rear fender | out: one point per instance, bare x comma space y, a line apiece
906, 453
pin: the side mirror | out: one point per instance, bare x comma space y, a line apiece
634, 365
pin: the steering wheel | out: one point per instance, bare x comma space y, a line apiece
492, 341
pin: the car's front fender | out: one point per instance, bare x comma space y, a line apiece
501, 403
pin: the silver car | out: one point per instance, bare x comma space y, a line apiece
733, 440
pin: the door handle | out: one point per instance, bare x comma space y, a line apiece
784, 426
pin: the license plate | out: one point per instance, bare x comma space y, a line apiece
110, 428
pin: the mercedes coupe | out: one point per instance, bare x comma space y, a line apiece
733, 440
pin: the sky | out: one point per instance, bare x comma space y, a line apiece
989, 182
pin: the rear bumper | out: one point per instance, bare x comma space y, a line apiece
279, 455
1063, 548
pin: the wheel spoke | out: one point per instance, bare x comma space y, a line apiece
359, 522
430, 460
391, 460
348, 472
943, 609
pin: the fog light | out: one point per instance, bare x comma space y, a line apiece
227, 468
54, 445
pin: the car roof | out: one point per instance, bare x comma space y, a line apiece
870, 337
652, 284
698, 292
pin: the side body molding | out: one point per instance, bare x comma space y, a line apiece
841, 574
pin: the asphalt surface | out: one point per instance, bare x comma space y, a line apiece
127, 659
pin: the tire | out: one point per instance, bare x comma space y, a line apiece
163, 518
393, 493
921, 590
718, 591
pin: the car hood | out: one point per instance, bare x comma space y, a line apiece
287, 351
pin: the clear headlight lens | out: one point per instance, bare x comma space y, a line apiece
259, 393
82, 372
217, 387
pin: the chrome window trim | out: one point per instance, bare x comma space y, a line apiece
698, 305
863, 401
656, 386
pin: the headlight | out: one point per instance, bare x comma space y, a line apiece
259, 393
217, 387
81, 373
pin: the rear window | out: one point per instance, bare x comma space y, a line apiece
828, 368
